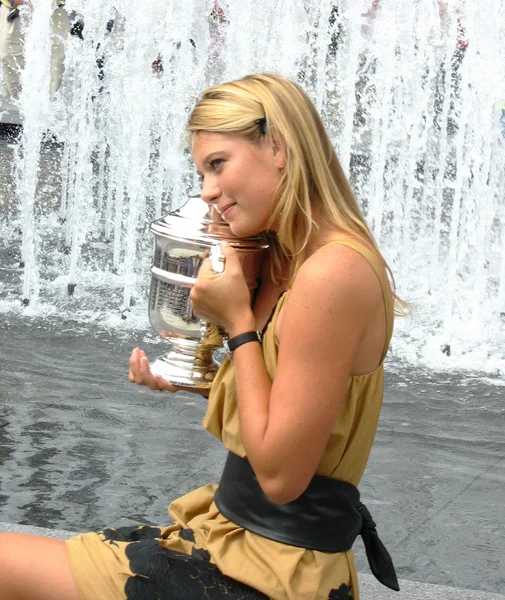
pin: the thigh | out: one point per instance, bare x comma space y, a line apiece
162, 574
137, 563
35, 568
11, 36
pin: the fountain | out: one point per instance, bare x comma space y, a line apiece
411, 92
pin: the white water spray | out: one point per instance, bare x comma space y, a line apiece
411, 96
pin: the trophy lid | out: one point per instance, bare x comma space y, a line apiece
199, 223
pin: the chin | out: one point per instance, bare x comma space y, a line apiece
244, 230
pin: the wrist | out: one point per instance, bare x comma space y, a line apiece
248, 323
231, 344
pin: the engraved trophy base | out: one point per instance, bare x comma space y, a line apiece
187, 364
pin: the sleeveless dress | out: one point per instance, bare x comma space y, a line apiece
204, 555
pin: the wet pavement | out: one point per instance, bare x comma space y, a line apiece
81, 447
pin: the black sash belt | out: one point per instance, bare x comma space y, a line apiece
327, 517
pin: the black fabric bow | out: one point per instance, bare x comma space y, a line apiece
379, 559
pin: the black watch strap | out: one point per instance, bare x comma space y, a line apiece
238, 340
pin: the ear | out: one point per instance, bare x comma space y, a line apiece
279, 152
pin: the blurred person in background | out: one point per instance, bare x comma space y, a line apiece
12, 46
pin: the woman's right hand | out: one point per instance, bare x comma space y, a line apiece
140, 373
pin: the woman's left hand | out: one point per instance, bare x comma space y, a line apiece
223, 298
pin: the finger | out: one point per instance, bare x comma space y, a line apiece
148, 379
135, 366
144, 368
168, 334
141, 371
165, 385
133, 357
228, 250
206, 270
231, 257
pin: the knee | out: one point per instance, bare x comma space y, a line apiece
7, 540
10, 559
34, 567
15, 555
9, 543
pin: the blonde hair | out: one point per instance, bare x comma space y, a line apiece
312, 181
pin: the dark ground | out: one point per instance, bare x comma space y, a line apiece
81, 447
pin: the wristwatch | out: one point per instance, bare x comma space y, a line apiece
238, 340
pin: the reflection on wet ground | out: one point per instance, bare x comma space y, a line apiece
80, 448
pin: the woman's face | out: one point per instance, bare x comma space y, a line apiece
240, 178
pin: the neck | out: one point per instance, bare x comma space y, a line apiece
323, 234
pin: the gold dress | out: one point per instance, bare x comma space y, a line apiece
129, 563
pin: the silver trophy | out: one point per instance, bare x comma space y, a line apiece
183, 240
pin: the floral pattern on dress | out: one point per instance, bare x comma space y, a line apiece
343, 593
162, 574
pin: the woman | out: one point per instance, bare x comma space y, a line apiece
297, 410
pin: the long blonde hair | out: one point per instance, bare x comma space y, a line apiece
312, 181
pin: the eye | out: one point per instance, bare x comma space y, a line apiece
216, 163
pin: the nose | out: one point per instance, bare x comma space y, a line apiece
210, 190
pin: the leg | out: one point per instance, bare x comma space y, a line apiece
11, 53
12, 67
108, 568
35, 568
60, 26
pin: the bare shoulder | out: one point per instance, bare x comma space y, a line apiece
339, 273
336, 306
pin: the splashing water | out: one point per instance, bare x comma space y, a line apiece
411, 93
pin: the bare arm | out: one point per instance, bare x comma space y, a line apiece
285, 424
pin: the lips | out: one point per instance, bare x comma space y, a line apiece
224, 209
